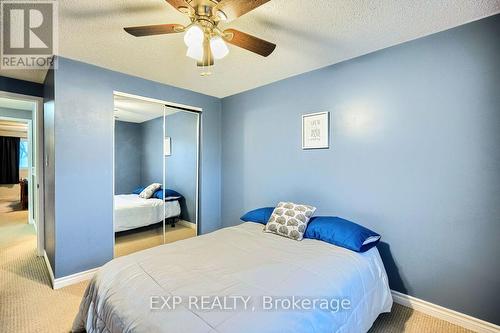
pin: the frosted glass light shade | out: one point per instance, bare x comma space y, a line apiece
218, 47
195, 52
194, 36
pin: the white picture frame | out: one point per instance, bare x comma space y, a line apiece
316, 130
167, 146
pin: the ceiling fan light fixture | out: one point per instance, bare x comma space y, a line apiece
194, 36
204, 39
221, 15
195, 52
183, 9
218, 47
205, 73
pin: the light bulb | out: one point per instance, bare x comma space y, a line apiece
195, 52
194, 36
218, 47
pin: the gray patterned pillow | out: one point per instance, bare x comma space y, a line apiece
290, 220
148, 192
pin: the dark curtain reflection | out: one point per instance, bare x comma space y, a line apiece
9, 160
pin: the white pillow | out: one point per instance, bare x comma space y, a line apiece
290, 220
148, 192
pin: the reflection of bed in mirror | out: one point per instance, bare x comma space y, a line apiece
133, 212
140, 160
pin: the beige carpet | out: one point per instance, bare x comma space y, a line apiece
28, 304
126, 243
403, 319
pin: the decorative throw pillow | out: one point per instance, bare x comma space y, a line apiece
289, 220
259, 215
340, 232
170, 195
149, 191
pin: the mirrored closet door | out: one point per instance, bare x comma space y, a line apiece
181, 170
156, 152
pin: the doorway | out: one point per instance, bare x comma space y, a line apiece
21, 139
156, 172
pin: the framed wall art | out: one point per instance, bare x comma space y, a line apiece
316, 130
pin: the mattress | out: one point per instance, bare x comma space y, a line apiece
236, 261
132, 212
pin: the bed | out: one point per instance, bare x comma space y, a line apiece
132, 212
240, 260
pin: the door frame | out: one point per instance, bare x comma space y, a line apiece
38, 157
182, 107
29, 138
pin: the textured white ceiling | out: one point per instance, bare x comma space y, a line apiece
309, 33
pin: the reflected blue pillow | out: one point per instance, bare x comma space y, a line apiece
340, 232
259, 215
170, 195
138, 190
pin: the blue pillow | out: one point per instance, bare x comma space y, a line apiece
259, 215
170, 195
340, 232
138, 190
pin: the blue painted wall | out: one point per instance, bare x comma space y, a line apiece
21, 87
181, 127
415, 133
83, 159
152, 151
128, 148
180, 168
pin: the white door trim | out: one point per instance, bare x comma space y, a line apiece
37, 128
159, 101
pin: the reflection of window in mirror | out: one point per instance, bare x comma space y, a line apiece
23, 154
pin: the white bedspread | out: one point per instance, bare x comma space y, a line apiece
240, 260
132, 212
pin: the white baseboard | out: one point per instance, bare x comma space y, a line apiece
70, 279
454, 317
74, 278
187, 224
49, 268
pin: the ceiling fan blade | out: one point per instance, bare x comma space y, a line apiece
236, 8
249, 42
180, 5
149, 30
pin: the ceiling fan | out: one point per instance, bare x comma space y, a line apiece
203, 37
